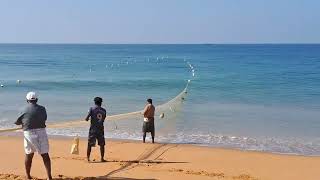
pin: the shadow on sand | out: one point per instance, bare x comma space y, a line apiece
142, 159
139, 162
127, 164
99, 178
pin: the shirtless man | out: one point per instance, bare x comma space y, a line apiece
148, 120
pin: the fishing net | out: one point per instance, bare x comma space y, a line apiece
164, 111
167, 111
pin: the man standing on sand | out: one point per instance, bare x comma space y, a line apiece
97, 115
148, 120
33, 121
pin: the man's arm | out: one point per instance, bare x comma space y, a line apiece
105, 115
19, 120
45, 114
89, 114
145, 110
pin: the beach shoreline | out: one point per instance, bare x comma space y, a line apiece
130, 159
82, 138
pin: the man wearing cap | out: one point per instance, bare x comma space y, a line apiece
148, 120
33, 121
96, 115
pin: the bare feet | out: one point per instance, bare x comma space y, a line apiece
103, 160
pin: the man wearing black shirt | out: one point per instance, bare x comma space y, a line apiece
97, 115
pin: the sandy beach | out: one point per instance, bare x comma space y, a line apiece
227, 90
134, 160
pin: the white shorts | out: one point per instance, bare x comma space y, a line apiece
36, 140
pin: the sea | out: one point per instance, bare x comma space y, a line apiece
261, 97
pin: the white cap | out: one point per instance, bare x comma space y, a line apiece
31, 96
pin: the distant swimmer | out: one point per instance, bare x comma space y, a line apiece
33, 120
1, 85
96, 115
148, 120
18, 81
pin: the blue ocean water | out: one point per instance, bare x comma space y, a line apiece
252, 97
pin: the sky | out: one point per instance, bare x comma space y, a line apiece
162, 21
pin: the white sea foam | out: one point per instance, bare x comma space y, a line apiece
275, 145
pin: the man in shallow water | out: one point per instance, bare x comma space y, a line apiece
33, 121
97, 115
148, 120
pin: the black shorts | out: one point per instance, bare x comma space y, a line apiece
148, 126
96, 135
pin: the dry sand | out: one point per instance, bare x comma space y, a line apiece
136, 161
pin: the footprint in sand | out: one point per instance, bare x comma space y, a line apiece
200, 173
244, 177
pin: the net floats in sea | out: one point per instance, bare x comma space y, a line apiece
161, 115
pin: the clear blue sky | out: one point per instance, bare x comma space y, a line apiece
162, 21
